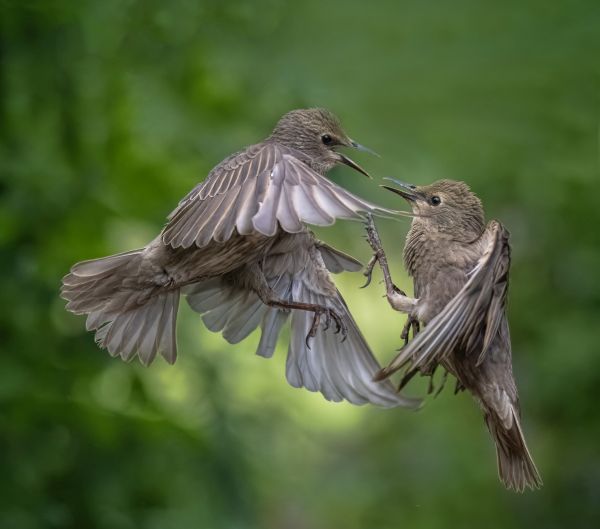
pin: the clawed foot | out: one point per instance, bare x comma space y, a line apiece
411, 323
368, 273
329, 314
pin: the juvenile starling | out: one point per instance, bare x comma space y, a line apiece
460, 270
238, 247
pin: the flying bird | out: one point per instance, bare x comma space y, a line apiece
460, 270
237, 246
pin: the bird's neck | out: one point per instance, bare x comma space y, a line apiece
417, 247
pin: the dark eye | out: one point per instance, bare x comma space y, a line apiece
435, 200
326, 139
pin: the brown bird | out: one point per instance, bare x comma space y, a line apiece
237, 245
460, 270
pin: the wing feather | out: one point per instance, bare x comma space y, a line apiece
265, 187
480, 303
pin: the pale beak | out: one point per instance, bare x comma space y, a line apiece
350, 163
362, 148
408, 192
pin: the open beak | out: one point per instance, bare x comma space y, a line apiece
350, 163
408, 192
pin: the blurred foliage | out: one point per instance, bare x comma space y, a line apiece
111, 110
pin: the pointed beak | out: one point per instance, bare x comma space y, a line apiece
350, 163
359, 147
408, 192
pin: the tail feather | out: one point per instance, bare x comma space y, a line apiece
516, 468
129, 318
145, 331
270, 329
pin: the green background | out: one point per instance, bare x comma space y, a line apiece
110, 111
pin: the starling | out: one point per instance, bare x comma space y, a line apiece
460, 270
237, 246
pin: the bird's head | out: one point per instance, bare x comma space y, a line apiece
446, 206
317, 133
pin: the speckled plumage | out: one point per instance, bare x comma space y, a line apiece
460, 270
222, 248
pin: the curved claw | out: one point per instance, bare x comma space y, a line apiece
340, 326
338, 323
330, 314
411, 323
313, 328
327, 320
368, 273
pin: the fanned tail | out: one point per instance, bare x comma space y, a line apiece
128, 319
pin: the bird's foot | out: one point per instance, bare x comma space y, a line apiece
329, 315
368, 273
411, 323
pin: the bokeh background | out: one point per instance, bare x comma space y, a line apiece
110, 111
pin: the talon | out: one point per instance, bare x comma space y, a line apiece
307, 341
313, 329
404, 333
411, 323
368, 273
336, 319
416, 326
327, 320
340, 326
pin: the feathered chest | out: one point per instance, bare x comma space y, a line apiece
432, 258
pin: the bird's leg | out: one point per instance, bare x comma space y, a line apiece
268, 297
319, 311
396, 297
378, 257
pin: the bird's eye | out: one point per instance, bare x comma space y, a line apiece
326, 139
435, 200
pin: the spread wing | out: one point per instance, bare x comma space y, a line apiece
340, 370
255, 191
476, 312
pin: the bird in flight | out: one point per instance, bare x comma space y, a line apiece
460, 270
238, 247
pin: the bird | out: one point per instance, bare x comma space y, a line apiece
460, 267
238, 248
